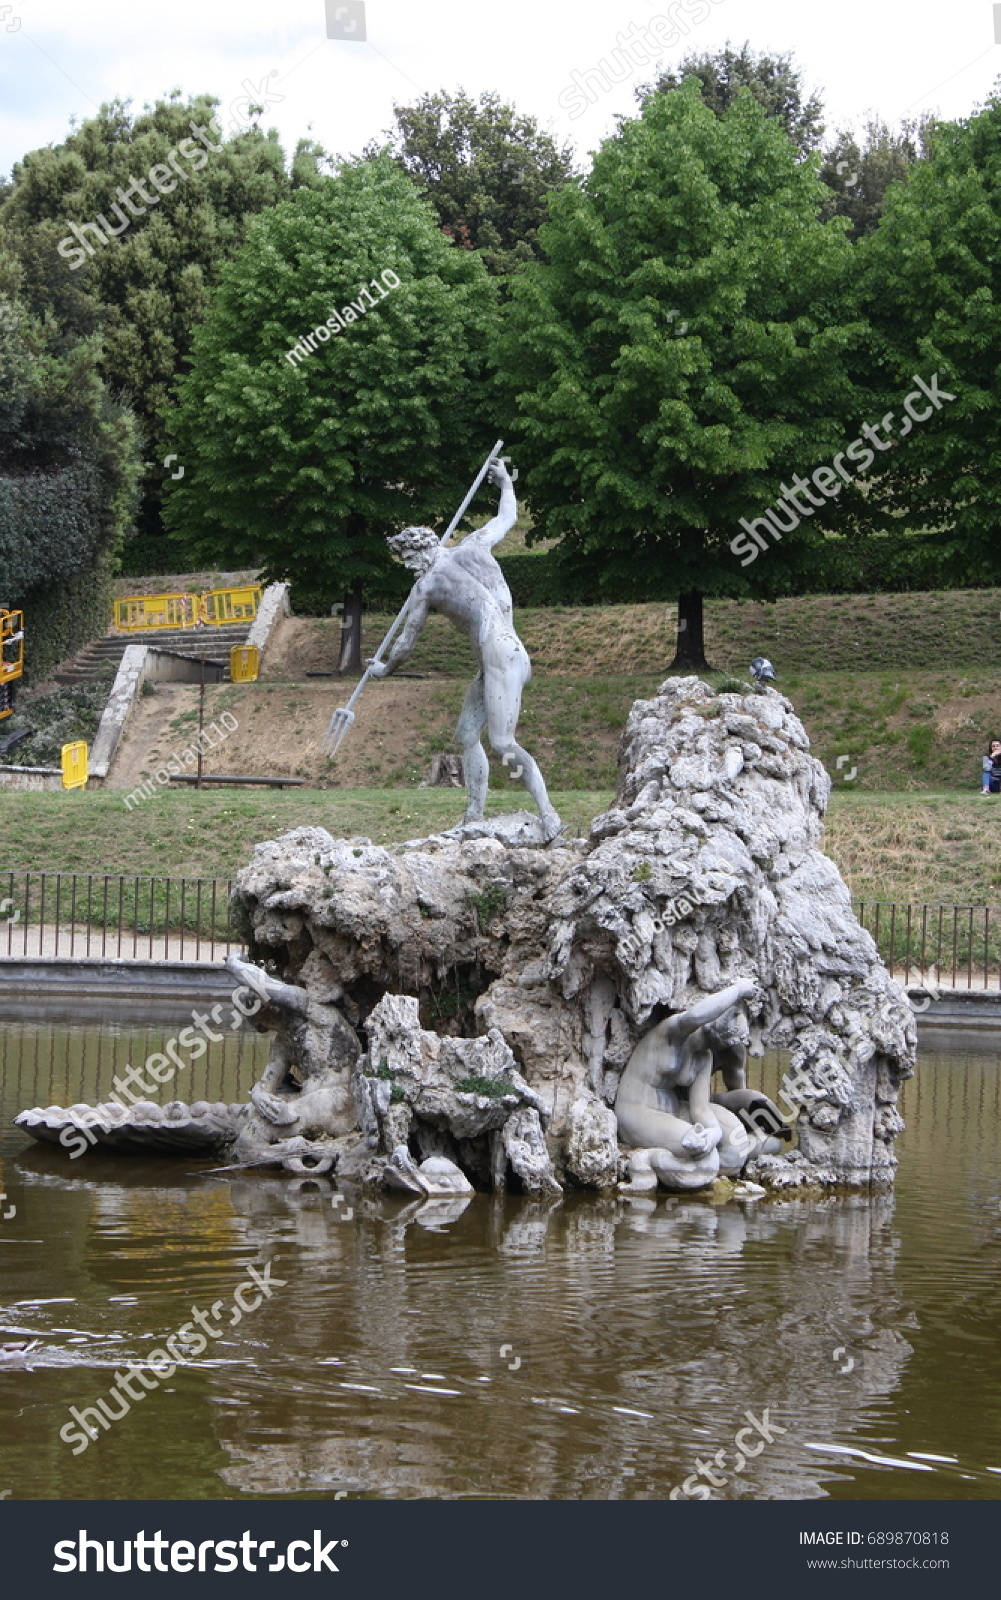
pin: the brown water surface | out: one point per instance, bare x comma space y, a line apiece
589, 1348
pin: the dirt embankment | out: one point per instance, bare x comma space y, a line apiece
908, 727
282, 719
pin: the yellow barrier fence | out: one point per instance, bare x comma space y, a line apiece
143, 612
75, 765
11, 658
11, 645
140, 613
220, 606
244, 661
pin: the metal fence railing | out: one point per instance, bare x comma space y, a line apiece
137, 918
117, 916
948, 946
47, 1062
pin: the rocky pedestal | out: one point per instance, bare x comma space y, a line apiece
466, 1004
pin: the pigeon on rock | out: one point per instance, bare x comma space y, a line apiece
762, 670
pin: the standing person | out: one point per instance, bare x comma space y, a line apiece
465, 583
991, 781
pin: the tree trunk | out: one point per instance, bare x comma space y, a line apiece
350, 657
446, 773
690, 652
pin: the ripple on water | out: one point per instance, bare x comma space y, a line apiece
587, 1349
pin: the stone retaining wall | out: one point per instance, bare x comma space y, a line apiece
141, 663
274, 604
30, 778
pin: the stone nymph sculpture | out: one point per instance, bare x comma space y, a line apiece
679, 1131
466, 1010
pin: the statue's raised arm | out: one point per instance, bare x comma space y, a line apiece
499, 526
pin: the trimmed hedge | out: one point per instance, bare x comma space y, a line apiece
60, 618
68, 469
65, 502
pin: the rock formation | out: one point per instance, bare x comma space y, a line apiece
467, 1004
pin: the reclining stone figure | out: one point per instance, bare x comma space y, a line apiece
680, 1133
303, 1100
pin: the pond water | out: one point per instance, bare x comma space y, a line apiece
591, 1348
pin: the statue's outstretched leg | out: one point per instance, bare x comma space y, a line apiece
476, 766
520, 765
503, 683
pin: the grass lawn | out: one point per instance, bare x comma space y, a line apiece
918, 847
212, 834
909, 847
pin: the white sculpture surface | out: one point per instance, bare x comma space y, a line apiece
544, 1016
465, 583
679, 1132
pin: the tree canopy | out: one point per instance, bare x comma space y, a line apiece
685, 348
859, 174
932, 287
150, 283
306, 464
485, 168
773, 80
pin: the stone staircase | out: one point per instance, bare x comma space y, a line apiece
213, 643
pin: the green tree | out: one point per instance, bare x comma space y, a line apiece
775, 83
932, 287
859, 175
684, 349
68, 468
305, 461
486, 170
165, 240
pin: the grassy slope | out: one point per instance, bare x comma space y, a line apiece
893, 685
927, 847
892, 682
903, 847
830, 633
905, 731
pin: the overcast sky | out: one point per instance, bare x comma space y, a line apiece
898, 57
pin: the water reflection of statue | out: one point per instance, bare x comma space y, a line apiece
466, 584
679, 1132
